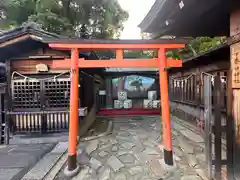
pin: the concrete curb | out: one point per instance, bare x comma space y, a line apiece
23, 172
45, 165
106, 133
56, 168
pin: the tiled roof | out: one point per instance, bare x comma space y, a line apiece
12, 34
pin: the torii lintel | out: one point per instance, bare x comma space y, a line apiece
119, 46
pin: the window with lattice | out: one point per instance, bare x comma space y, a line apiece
26, 94
57, 93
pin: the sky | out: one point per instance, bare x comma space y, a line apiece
137, 10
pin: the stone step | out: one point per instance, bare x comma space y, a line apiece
45, 165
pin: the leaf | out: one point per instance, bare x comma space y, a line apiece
103, 18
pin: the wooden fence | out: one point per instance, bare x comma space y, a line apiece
188, 91
208, 94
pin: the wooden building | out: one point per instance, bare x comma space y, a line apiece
186, 84
210, 18
37, 95
183, 19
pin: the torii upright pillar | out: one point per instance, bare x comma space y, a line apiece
73, 125
161, 62
163, 81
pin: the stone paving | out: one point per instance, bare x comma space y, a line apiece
133, 152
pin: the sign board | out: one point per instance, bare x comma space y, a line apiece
235, 64
102, 92
42, 68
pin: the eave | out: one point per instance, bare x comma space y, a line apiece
195, 18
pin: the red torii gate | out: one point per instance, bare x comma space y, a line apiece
161, 62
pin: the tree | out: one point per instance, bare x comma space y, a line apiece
129, 54
137, 83
200, 45
193, 48
98, 18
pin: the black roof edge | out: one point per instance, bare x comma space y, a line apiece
24, 30
148, 19
21, 31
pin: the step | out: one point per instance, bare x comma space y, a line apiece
47, 163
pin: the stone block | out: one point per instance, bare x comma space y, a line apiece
156, 104
152, 95
115, 163
105, 175
118, 104
147, 103
122, 95
127, 158
95, 164
156, 168
135, 170
92, 146
127, 104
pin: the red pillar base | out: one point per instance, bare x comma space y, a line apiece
168, 157
72, 168
72, 162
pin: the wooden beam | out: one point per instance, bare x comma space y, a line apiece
116, 63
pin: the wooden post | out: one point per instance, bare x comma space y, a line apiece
8, 104
167, 137
230, 127
73, 167
217, 127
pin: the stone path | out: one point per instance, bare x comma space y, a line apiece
133, 152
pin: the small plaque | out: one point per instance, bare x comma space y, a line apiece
102, 92
82, 111
42, 68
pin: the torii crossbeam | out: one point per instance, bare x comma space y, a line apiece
161, 62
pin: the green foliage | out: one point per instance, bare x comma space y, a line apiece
100, 18
173, 54
200, 45
128, 54
148, 54
193, 48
